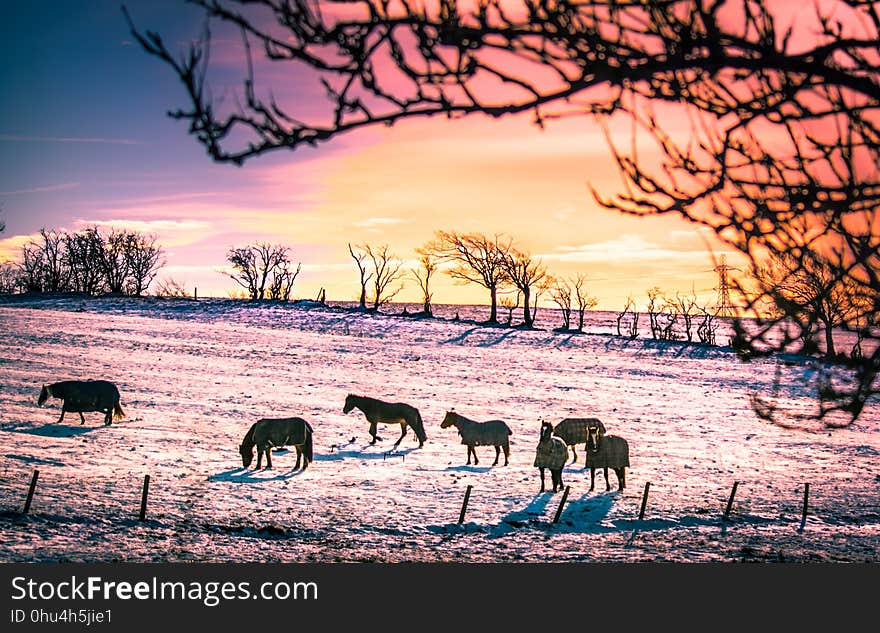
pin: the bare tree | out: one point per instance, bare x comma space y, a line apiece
83, 252
170, 287
629, 307
585, 301
815, 292
360, 259
10, 278
114, 263
686, 307
428, 263
785, 112
707, 328
41, 265
386, 273
144, 259
282, 281
477, 259
253, 266
55, 274
526, 275
561, 294
655, 307
510, 305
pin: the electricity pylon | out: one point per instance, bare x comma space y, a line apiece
723, 307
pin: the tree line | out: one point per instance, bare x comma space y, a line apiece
90, 261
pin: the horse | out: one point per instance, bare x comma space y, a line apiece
573, 431
552, 453
606, 451
85, 395
492, 433
268, 432
377, 411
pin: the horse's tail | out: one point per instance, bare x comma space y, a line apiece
308, 447
118, 413
420, 432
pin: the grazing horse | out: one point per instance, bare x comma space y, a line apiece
377, 411
268, 432
552, 453
492, 433
84, 395
606, 451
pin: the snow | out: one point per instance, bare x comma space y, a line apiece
195, 375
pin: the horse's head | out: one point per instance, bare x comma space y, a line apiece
44, 395
594, 437
349, 403
247, 455
449, 420
546, 430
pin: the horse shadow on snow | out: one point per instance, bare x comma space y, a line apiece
51, 430
363, 452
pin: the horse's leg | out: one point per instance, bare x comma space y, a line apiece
469, 455
108, 417
402, 433
62, 414
82, 418
542, 479
621, 477
373, 431
506, 452
607, 485
268, 457
474, 450
259, 458
497, 455
559, 476
298, 456
592, 478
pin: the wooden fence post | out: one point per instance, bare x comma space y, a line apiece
644, 500
806, 504
30, 494
467, 495
561, 504
146, 490
730, 501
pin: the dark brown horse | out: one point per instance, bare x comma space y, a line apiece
377, 411
268, 432
85, 395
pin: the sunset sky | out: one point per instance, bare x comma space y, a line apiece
84, 140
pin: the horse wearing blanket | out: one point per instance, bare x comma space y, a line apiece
606, 451
552, 453
492, 433
84, 395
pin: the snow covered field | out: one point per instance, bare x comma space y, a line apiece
195, 375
